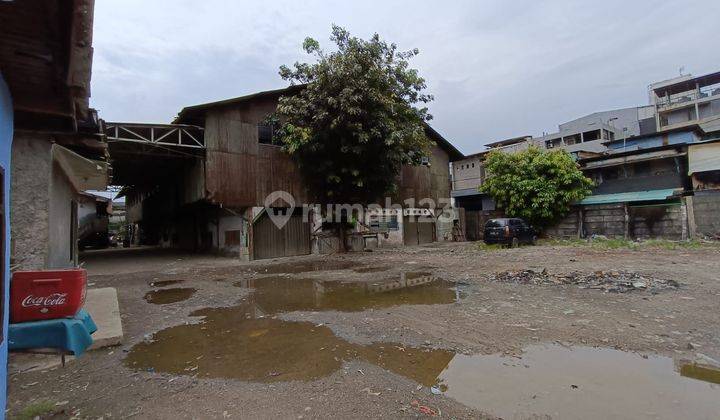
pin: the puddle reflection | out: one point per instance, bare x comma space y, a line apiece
230, 343
277, 294
578, 382
165, 296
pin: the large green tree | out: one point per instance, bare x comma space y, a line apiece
358, 119
535, 184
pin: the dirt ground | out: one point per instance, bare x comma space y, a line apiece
490, 318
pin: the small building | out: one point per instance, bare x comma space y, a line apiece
638, 194
58, 147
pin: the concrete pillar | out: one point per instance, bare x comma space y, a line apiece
690, 217
246, 247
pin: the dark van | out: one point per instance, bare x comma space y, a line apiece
509, 231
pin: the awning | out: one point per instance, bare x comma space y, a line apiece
703, 157
84, 174
627, 197
465, 192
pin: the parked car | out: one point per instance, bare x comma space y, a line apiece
509, 231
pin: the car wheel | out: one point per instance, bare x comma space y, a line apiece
515, 243
533, 240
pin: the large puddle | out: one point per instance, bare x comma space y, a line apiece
548, 380
579, 382
172, 295
277, 294
231, 343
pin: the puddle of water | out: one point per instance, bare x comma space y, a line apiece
549, 380
164, 283
164, 296
276, 294
305, 267
230, 343
579, 382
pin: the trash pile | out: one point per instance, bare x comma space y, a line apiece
607, 281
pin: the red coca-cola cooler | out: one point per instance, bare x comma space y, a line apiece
48, 294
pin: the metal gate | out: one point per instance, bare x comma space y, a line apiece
269, 241
418, 230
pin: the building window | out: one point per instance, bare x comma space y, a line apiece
267, 134
425, 161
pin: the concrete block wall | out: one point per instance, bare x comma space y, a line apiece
666, 221
604, 219
567, 227
661, 221
706, 209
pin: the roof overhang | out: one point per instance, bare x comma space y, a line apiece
685, 85
632, 157
467, 192
629, 197
508, 142
83, 173
46, 59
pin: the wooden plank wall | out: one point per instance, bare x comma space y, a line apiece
271, 242
419, 182
240, 172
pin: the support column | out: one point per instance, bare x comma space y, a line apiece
246, 245
690, 212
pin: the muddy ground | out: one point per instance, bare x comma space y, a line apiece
490, 317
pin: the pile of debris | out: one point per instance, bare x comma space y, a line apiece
607, 281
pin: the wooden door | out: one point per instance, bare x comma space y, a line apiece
269, 241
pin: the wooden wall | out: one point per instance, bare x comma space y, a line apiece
240, 172
419, 182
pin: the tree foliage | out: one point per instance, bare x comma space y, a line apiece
358, 119
534, 184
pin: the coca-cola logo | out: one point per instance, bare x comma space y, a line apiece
55, 299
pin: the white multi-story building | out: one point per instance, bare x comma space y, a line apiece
685, 101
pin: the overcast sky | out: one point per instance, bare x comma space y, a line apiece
497, 69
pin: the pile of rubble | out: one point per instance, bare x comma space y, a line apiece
608, 281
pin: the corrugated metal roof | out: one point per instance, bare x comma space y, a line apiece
627, 197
